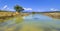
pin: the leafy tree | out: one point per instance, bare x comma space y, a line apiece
33, 12
18, 8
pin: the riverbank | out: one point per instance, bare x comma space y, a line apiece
7, 15
53, 15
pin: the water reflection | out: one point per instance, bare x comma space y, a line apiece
33, 22
42, 20
11, 24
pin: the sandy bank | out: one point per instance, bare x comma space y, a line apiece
53, 15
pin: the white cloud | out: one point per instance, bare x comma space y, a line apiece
28, 8
10, 9
53, 9
38, 10
5, 7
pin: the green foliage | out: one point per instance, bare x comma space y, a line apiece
33, 12
18, 8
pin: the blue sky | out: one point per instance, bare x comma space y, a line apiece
31, 5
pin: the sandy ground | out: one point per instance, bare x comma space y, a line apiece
53, 15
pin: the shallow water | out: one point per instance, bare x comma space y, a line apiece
33, 22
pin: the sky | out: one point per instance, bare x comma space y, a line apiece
31, 5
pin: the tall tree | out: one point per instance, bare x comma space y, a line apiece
18, 8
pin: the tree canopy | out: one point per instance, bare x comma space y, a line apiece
18, 8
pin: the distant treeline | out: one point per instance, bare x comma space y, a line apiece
32, 12
44, 12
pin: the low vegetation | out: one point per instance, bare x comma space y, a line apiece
53, 15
